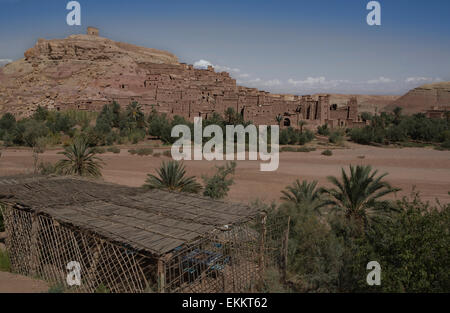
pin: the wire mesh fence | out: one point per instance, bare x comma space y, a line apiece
232, 259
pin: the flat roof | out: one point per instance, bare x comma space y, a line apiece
156, 221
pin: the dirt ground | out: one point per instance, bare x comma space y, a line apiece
425, 168
12, 283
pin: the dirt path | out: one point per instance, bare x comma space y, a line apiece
13, 283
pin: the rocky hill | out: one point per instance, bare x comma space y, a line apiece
75, 68
424, 98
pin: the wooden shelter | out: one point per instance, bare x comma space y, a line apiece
129, 239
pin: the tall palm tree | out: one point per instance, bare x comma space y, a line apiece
135, 114
80, 160
359, 194
279, 119
171, 176
301, 123
304, 195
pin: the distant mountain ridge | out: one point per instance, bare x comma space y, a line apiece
423, 98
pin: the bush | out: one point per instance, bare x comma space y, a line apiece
5, 262
47, 168
217, 186
113, 150
144, 151
446, 145
336, 137
167, 153
132, 151
157, 154
99, 150
327, 152
288, 149
305, 149
323, 130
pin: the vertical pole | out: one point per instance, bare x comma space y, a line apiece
286, 244
161, 276
34, 258
262, 248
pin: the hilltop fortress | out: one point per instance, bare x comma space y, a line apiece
84, 72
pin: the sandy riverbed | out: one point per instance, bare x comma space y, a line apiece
427, 169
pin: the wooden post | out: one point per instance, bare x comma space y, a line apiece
262, 249
286, 244
161, 275
34, 250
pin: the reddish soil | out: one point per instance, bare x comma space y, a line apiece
427, 169
13, 283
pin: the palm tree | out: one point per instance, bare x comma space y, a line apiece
304, 195
80, 160
135, 114
279, 119
301, 123
397, 114
358, 195
171, 176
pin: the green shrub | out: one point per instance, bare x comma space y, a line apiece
446, 145
47, 168
288, 149
323, 130
336, 137
305, 149
144, 151
99, 150
167, 153
102, 289
132, 151
218, 185
56, 288
113, 150
327, 152
5, 262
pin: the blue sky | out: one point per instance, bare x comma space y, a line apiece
281, 46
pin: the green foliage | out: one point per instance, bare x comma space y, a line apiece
358, 195
113, 150
304, 195
327, 152
144, 151
7, 122
336, 137
291, 136
323, 130
79, 160
218, 185
314, 252
411, 247
366, 116
172, 176
57, 288
47, 168
102, 289
5, 262
395, 128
